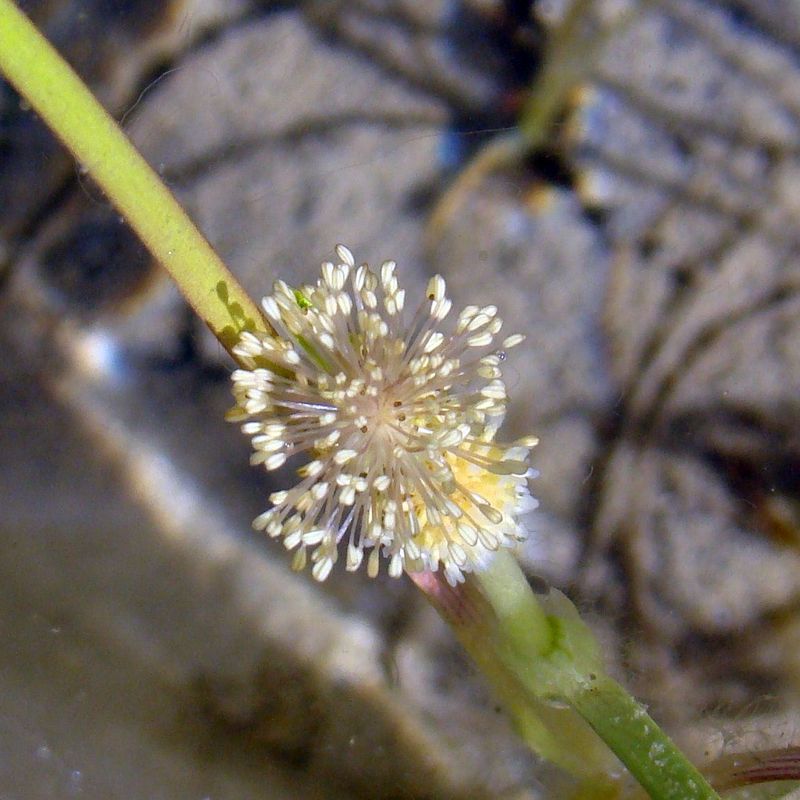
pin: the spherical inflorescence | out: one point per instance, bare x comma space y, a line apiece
397, 418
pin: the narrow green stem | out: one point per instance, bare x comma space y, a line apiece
572, 52
59, 96
648, 753
568, 59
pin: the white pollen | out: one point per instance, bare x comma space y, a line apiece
345, 255
478, 322
293, 539
496, 390
319, 490
314, 536
373, 563
322, 569
271, 308
434, 340
275, 460
451, 438
313, 468
436, 288
355, 555
480, 339
343, 456
261, 521
396, 566
299, 559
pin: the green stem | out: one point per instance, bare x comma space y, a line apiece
572, 52
648, 753
541, 639
557, 734
545, 665
59, 96
519, 614
568, 60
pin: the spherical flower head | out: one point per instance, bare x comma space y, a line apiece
396, 414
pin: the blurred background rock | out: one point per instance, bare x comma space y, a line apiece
153, 645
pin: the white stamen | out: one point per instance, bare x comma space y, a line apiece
410, 413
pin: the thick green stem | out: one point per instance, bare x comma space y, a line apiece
545, 665
58, 95
541, 639
519, 614
557, 734
648, 753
